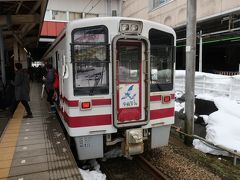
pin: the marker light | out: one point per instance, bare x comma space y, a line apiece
86, 105
166, 99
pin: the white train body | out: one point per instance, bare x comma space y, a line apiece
116, 83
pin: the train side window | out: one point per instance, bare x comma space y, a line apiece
162, 60
90, 57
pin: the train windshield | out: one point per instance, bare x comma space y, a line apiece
90, 59
129, 63
162, 60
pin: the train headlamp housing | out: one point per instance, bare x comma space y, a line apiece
130, 27
124, 27
134, 27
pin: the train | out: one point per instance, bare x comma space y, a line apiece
116, 84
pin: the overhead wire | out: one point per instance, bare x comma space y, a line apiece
87, 5
94, 6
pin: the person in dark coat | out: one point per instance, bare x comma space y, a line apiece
49, 80
56, 87
22, 89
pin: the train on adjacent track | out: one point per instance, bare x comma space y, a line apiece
116, 85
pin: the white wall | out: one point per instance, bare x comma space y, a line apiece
86, 6
173, 13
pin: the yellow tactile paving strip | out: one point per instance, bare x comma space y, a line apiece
8, 142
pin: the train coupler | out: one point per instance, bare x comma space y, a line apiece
133, 143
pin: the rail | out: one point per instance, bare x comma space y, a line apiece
107, 172
121, 168
149, 167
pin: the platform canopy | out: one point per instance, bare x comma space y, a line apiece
21, 21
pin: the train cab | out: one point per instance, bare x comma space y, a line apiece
116, 84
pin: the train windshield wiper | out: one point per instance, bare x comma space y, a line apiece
98, 77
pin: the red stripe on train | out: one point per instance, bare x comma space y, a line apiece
106, 119
95, 102
85, 121
161, 113
70, 103
100, 102
156, 98
159, 97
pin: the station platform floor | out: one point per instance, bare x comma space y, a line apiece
4, 118
36, 148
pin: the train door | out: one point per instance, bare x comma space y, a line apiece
56, 60
130, 87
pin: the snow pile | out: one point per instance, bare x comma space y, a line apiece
223, 126
95, 174
179, 106
179, 103
92, 175
214, 85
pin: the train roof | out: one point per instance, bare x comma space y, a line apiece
102, 20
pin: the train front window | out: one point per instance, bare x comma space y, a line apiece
129, 62
162, 59
90, 57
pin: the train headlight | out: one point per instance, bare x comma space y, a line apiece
125, 27
134, 27
130, 27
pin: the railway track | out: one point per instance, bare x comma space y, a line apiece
137, 168
150, 168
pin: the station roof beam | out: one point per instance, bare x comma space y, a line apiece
22, 20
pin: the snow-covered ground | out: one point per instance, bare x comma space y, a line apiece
223, 126
96, 173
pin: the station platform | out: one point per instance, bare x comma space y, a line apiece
4, 118
36, 148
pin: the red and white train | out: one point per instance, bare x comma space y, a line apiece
116, 83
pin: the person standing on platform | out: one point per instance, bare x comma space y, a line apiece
22, 89
44, 70
49, 80
56, 87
